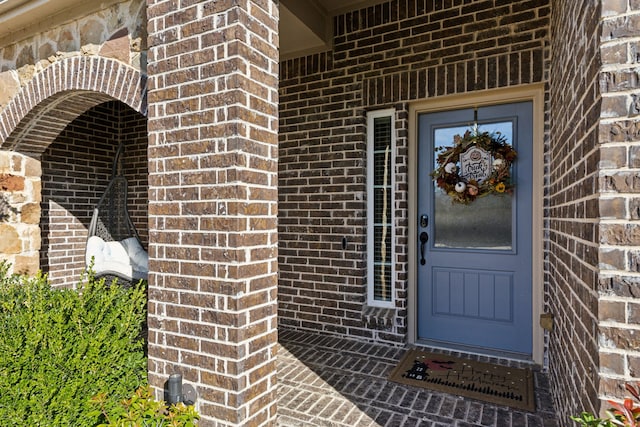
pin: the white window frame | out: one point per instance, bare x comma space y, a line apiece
371, 116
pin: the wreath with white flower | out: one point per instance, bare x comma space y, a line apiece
465, 190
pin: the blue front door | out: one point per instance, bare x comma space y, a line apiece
474, 271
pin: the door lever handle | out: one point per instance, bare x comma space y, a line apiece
424, 238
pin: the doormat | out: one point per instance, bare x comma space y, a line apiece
497, 384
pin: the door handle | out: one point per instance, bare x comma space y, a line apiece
424, 237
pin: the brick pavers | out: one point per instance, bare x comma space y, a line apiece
328, 381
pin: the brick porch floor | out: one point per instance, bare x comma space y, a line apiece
328, 381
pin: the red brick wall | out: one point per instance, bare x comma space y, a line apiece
384, 56
133, 131
572, 213
76, 169
213, 204
619, 138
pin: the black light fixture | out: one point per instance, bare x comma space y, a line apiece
174, 389
176, 392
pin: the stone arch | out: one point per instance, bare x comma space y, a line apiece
29, 124
63, 91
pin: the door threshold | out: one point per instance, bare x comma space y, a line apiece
498, 357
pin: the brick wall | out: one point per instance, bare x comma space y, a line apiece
76, 169
384, 56
572, 212
134, 134
619, 139
213, 204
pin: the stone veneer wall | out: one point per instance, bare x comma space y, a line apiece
20, 211
383, 56
76, 169
571, 216
117, 32
213, 154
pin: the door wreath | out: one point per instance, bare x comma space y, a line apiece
476, 165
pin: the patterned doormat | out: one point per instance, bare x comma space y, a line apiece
501, 385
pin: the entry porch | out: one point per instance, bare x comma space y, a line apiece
331, 381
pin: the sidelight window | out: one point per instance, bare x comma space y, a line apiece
380, 198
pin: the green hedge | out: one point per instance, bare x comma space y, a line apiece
61, 347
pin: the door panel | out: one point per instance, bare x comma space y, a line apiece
474, 289
473, 294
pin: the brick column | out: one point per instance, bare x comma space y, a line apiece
571, 212
213, 203
619, 143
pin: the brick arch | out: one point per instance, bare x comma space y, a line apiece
62, 92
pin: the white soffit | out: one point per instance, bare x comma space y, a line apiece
296, 37
306, 26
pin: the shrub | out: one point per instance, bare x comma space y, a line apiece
626, 414
142, 410
61, 347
